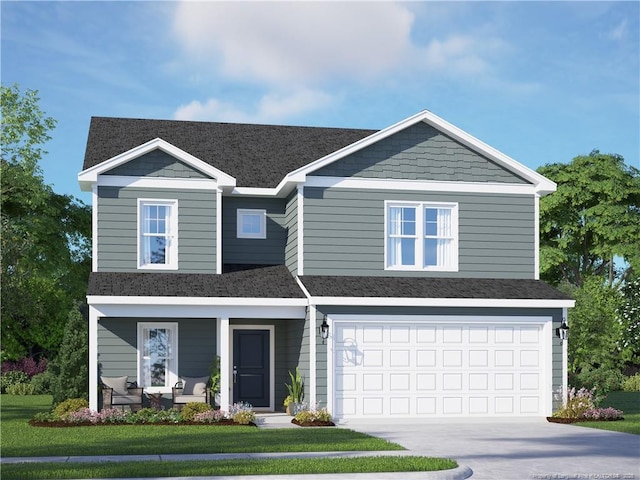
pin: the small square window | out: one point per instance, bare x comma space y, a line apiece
252, 224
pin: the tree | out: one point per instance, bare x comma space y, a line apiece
628, 317
71, 367
591, 225
44, 236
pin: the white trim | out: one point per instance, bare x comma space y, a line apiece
261, 212
541, 184
418, 185
536, 237
313, 338
172, 250
452, 262
256, 192
225, 363
441, 302
218, 231
94, 228
93, 359
90, 176
545, 322
156, 182
196, 301
272, 359
172, 367
565, 362
300, 221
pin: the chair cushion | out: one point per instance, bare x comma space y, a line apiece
119, 384
125, 399
194, 385
189, 399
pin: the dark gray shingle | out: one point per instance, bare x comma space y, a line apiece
416, 287
264, 282
256, 155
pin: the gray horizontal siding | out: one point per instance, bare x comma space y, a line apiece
156, 164
344, 233
117, 212
420, 152
267, 251
291, 223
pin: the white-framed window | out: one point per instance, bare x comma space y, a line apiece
421, 236
157, 234
157, 356
252, 223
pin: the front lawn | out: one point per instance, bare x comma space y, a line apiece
629, 403
19, 439
278, 466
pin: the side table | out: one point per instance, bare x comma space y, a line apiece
155, 399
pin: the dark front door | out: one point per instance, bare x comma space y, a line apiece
251, 369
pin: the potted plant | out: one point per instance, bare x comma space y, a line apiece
296, 392
287, 404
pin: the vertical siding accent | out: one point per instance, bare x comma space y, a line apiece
344, 233
300, 260
267, 251
117, 219
291, 224
219, 240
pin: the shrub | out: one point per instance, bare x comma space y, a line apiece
609, 413
70, 405
605, 380
42, 382
242, 413
45, 417
112, 415
311, 413
190, 410
20, 389
151, 415
84, 415
210, 416
578, 402
13, 377
71, 367
27, 365
632, 384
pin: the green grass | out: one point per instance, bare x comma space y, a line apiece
629, 403
19, 439
278, 466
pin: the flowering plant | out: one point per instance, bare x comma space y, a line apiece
581, 404
309, 413
210, 416
242, 413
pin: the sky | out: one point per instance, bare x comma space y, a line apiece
542, 82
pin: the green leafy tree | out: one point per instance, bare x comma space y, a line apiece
71, 367
591, 225
594, 329
44, 237
628, 317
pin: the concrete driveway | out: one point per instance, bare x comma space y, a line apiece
517, 449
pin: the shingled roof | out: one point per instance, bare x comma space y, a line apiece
419, 287
264, 282
256, 155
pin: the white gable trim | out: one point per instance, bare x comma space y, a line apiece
419, 185
541, 184
88, 177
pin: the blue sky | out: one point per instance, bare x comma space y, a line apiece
540, 81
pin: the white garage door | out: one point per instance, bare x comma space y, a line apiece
423, 369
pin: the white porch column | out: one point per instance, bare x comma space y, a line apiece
312, 355
93, 359
225, 363
565, 363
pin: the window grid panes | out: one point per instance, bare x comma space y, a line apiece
157, 350
157, 234
421, 236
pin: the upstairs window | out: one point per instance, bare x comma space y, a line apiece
158, 234
251, 223
421, 236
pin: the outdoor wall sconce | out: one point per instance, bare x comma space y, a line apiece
562, 332
324, 329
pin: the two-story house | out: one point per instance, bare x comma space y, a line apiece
398, 268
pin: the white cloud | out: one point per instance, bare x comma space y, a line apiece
620, 31
270, 108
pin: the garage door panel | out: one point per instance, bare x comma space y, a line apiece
427, 370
